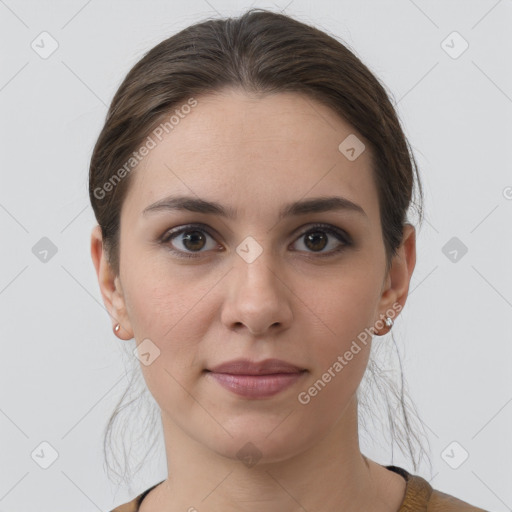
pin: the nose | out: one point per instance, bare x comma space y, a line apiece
258, 298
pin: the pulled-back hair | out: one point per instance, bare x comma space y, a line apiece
261, 52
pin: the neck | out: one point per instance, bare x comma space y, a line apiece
329, 475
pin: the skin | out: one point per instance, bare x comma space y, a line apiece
255, 154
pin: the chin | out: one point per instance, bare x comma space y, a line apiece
253, 445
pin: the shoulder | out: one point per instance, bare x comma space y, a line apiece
439, 501
134, 505
131, 506
421, 496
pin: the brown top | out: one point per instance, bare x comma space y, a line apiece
419, 497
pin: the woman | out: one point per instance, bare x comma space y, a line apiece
251, 186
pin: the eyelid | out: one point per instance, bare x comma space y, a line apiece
329, 228
169, 233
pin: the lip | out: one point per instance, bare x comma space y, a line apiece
251, 379
248, 367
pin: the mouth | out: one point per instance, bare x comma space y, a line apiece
256, 379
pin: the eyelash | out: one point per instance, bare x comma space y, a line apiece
327, 228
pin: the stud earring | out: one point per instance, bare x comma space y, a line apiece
388, 323
116, 328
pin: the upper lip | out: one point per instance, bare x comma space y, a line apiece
247, 367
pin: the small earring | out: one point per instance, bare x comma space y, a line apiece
116, 328
389, 324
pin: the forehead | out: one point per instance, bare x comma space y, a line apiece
253, 152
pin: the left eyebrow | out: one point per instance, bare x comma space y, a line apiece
197, 205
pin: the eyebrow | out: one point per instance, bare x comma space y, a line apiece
197, 205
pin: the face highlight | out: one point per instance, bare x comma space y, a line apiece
246, 233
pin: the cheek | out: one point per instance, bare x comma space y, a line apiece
174, 311
167, 317
159, 296
175, 323
340, 362
343, 311
346, 305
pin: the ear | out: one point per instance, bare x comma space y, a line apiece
396, 285
110, 286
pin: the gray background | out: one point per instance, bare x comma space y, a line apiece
62, 370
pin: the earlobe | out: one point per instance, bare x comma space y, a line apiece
110, 287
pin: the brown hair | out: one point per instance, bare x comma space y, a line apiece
259, 52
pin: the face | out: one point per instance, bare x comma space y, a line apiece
207, 288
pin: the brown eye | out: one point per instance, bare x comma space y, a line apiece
194, 240
324, 236
316, 240
186, 241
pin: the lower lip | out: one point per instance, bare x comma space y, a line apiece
256, 386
